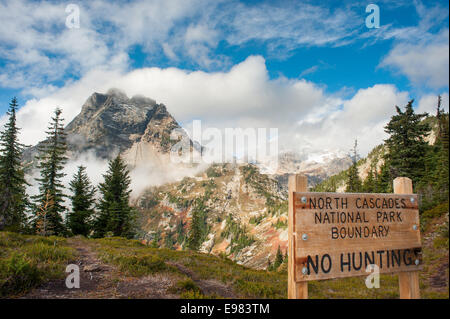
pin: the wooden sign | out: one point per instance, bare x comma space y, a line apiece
340, 234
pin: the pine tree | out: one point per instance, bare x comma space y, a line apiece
199, 226
439, 115
442, 164
13, 198
269, 265
354, 184
369, 182
443, 173
406, 144
195, 233
278, 258
115, 214
52, 159
79, 219
383, 180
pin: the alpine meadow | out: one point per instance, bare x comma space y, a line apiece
224, 150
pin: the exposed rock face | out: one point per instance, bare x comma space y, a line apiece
111, 123
317, 169
245, 214
245, 211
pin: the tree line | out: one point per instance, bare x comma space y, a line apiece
408, 154
108, 214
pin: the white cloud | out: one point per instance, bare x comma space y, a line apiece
307, 117
428, 103
362, 117
40, 49
425, 62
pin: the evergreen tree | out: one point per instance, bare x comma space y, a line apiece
442, 173
439, 115
51, 163
383, 180
406, 144
115, 214
278, 258
156, 239
369, 182
195, 233
269, 265
13, 199
199, 226
79, 219
354, 184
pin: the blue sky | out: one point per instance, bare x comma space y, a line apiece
325, 44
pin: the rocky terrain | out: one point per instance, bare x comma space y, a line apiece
243, 214
109, 123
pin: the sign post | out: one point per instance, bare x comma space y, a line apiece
296, 290
336, 235
408, 281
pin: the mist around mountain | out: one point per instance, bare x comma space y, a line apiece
239, 211
232, 211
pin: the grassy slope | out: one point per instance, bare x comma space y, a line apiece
243, 211
27, 261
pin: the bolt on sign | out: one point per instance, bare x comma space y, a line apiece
339, 234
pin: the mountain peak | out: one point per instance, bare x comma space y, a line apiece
117, 93
112, 120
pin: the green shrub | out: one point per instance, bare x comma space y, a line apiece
436, 211
140, 265
187, 285
18, 273
440, 242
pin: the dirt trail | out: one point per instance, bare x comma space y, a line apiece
208, 287
102, 281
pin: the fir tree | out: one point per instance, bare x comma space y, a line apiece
79, 219
269, 265
369, 182
278, 258
13, 199
51, 163
195, 233
406, 144
354, 184
115, 214
383, 180
442, 173
199, 226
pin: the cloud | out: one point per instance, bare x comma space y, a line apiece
39, 49
428, 103
420, 52
424, 63
308, 118
361, 117
310, 70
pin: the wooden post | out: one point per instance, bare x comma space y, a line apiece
296, 290
408, 280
